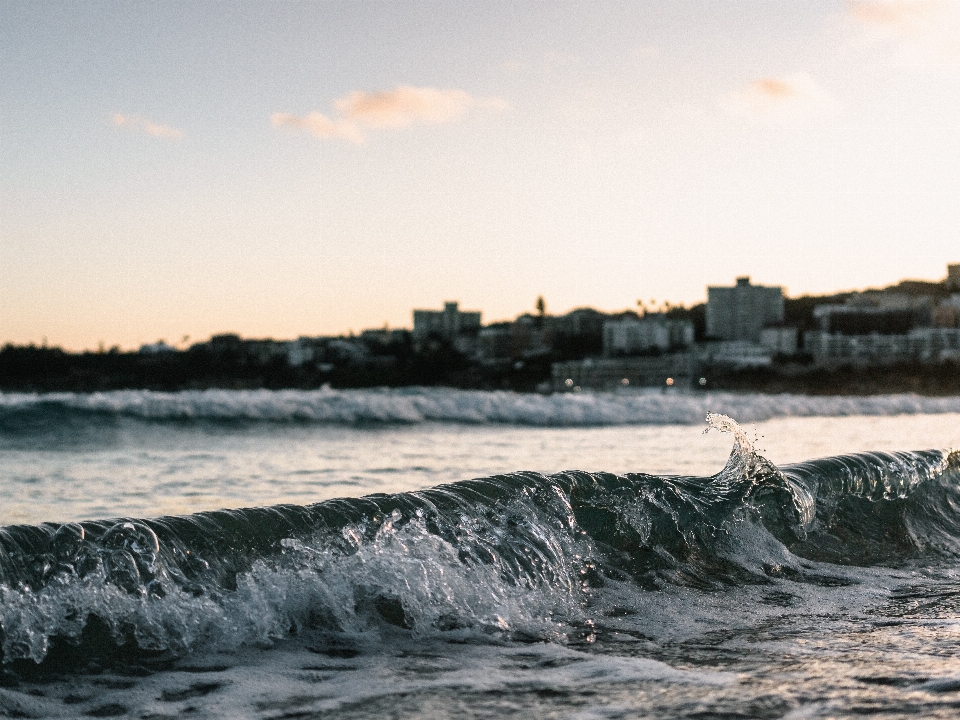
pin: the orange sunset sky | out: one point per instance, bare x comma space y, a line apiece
303, 168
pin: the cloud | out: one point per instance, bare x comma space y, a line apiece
402, 106
136, 122
319, 125
922, 30
784, 100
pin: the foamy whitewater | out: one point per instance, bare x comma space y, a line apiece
429, 553
417, 405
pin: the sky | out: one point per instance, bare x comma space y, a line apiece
277, 169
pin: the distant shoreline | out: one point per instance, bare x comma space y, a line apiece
42, 370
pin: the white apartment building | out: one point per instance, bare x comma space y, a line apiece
923, 344
630, 336
779, 340
735, 354
742, 311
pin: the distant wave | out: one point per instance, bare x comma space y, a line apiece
418, 405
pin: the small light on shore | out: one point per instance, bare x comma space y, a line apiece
669, 382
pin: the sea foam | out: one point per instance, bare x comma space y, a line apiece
445, 405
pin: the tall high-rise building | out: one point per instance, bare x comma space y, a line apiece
742, 311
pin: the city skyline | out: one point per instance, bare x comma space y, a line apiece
424, 320
315, 168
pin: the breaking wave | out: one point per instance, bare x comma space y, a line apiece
522, 554
417, 405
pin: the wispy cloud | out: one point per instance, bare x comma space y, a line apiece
785, 100
319, 125
404, 105
922, 30
142, 124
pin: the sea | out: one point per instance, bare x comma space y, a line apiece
439, 553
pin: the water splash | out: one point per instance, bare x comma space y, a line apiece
726, 424
744, 468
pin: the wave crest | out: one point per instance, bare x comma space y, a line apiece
522, 552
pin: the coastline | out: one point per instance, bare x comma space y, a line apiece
44, 370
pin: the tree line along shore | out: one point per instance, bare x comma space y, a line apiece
32, 369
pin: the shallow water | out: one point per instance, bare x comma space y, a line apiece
140, 460
816, 590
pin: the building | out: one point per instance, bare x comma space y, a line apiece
298, 352
920, 344
653, 333
669, 370
736, 354
742, 311
953, 277
935, 344
449, 323
495, 341
947, 313
582, 322
866, 314
157, 348
779, 340
529, 337
383, 336
838, 349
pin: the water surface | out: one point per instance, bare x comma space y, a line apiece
669, 576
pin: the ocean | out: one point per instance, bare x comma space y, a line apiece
434, 553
